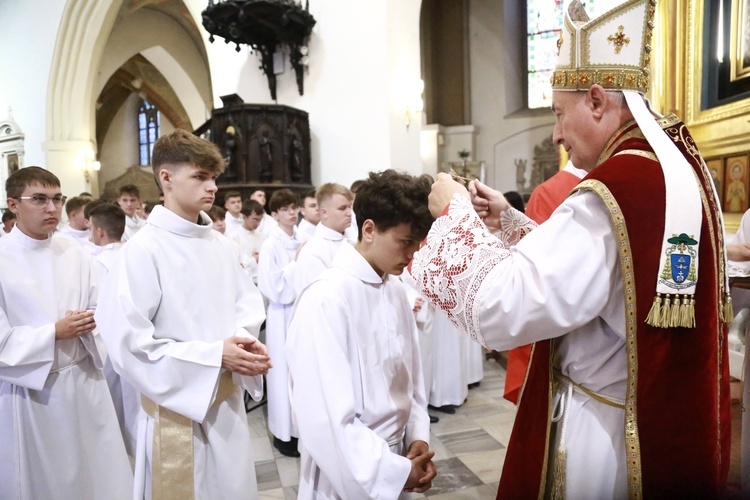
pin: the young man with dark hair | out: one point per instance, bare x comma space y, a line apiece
107, 227
233, 206
268, 222
180, 320
357, 389
129, 199
218, 218
310, 217
275, 280
9, 220
250, 238
59, 436
335, 206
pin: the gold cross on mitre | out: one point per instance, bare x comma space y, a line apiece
619, 39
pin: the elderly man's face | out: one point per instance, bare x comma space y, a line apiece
578, 128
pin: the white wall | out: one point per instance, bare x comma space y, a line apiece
495, 72
28, 39
361, 54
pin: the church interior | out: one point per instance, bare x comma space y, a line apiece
350, 87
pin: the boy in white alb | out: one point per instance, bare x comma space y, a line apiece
276, 269
250, 238
233, 206
335, 206
129, 199
179, 320
107, 223
267, 223
77, 229
357, 389
310, 217
59, 437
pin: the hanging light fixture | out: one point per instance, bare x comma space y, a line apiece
267, 26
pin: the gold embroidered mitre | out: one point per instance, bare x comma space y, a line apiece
613, 50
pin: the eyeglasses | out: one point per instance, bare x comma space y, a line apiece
40, 200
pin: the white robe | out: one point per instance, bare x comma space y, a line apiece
250, 243
132, 225
275, 281
316, 255
174, 294
126, 399
59, 437
305, 230
80, 236
424, 318
357, 389
473, 360
449, 378
525, 296
267, 224
233, 224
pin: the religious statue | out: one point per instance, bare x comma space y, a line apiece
521, 175
296, 166
230, 145
266, 158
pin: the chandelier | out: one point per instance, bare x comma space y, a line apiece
268, 27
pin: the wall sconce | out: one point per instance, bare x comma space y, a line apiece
416, 104
87, 164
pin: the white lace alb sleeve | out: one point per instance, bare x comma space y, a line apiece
457, 256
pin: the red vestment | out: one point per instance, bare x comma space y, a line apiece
677, 410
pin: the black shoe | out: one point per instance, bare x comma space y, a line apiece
449, 409
474, 385
286, 448
434, 419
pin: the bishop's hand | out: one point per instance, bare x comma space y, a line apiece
488, 203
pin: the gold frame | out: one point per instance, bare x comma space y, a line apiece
737, 46
719, 131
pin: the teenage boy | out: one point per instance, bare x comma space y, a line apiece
310, 217
357, 389
233, 206
249, 237
335, 204
9, 220
179, 321
107, 227
129, 199
78, 226
275, 281
59, 436
218, 219
268, 222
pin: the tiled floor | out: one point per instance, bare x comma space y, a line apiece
469, 447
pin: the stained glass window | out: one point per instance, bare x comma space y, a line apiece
148, 130
544, 20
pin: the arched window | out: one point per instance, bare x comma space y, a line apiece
544, 19
148, 130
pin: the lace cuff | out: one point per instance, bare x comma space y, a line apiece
514, 226
457, 256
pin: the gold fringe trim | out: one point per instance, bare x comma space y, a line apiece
558, 475
668, 312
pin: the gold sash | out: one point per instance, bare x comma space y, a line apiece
172, 466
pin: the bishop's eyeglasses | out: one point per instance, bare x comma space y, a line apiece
39, 200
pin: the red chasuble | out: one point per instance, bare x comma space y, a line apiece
677, 411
